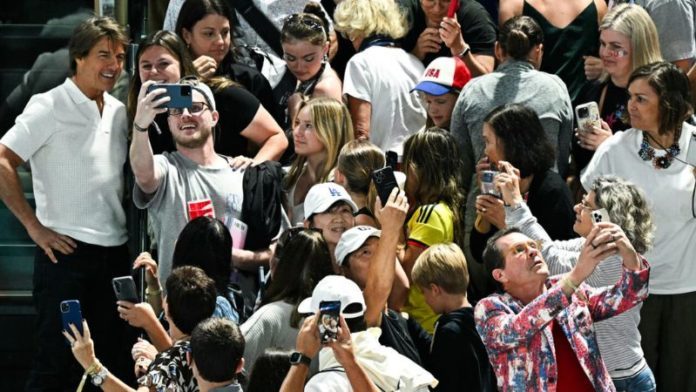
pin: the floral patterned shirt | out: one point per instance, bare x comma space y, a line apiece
519, 339
170, 371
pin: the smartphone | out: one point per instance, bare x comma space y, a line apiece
238, 231
124, 288
179, 94
587, 116
329, 312
392, 159
453, 6
488, 183
71, 314
385, 182
600, 215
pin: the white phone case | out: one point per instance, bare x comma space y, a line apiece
591, 119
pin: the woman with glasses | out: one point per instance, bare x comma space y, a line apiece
305, 42
627, 40
320, 129
301, 259
379, 78
658, 154
162, 57
205, 26
625, 206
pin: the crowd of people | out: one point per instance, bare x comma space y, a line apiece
415, 186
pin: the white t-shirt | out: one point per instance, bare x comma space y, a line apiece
384, 76
185, 182
669, 193
77, 158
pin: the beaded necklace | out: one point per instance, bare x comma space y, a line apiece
647, 152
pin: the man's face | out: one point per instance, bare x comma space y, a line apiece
359, 262
98, 71
192, 130
524, 264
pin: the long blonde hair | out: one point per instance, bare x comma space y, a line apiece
334, 129
635, 23
369, 17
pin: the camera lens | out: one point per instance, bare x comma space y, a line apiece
64, 307
185, 91
583, 112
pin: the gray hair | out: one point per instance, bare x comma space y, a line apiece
627, 207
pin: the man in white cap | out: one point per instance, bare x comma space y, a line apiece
439, 88
328, 207
386, 368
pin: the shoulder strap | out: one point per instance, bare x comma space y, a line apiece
260, 22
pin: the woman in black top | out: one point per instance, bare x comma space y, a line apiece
628, 39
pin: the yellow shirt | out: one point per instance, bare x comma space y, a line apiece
429, 225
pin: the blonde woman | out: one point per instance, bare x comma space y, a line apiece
379, 78
322, 126
356, 162
627, 40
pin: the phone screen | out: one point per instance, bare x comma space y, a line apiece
329, 312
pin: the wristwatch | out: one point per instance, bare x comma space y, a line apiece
99, 377
464, 52
297, 358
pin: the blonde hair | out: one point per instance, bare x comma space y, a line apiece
357, 160
443, 265
334, 129
635, 23
369, 17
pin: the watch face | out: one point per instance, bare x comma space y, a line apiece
97, 380
298, 358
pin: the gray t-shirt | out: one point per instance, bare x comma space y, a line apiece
676, 25
184, 185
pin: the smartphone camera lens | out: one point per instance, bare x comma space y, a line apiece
64, 307
583, 112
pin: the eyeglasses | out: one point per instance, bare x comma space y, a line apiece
195, 109
523, 247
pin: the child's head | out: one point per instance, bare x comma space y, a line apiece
356, 162
441, 270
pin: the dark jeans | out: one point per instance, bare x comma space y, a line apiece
84, 275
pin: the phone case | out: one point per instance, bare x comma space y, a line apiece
329, 312
587, 116
453, 6
385, 182
124, 288
238, 231
600, 215
179, 94
71, 314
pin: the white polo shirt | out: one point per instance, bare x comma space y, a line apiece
77, 159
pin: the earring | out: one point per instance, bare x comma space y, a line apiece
326, 58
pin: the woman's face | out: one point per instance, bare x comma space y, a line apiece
583, 215
158, 64
493, 146
434, 11
439, 108
304, 134
643, 106
210, 36
303, 59
615, 51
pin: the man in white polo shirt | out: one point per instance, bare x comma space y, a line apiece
75, 137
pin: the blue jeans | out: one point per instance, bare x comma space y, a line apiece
643, 381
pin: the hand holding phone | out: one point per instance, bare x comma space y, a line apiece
600, 215
71, 314
124, 288
329, 314
587, 116
385, 182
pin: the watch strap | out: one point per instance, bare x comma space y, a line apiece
297, 358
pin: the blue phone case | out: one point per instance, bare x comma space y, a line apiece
179, 94
71, 314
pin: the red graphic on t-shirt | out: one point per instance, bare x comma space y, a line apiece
203, 207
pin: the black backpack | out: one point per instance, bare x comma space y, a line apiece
263, 203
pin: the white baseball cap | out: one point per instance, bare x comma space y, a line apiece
335, 288
353, 239
322, 196
444, 75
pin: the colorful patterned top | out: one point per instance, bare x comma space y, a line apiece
519, 339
